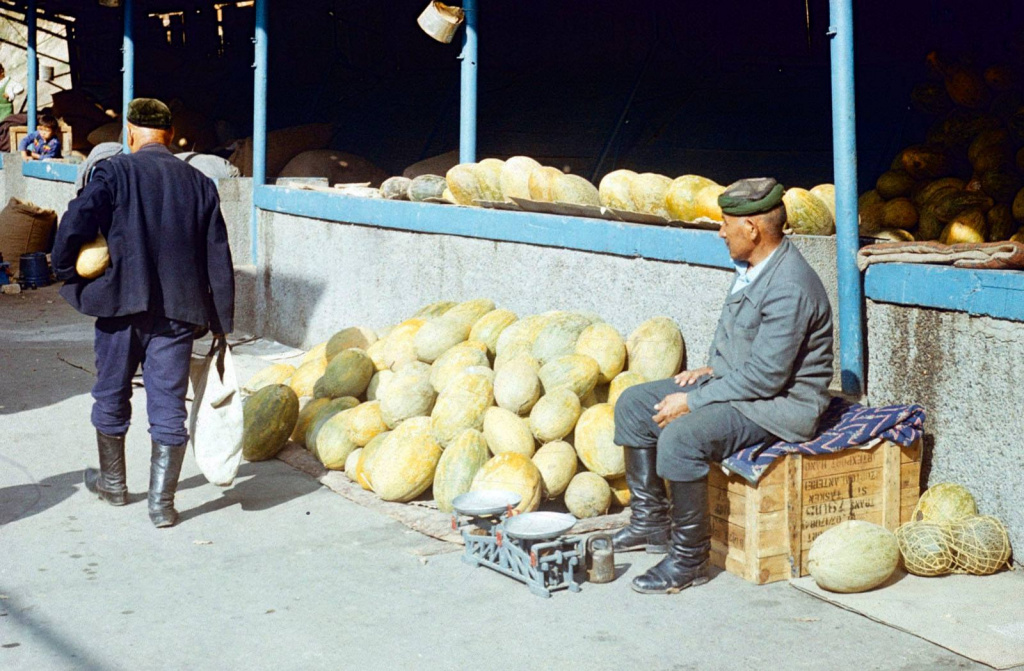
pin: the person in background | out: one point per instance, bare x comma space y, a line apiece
44, 142
9, 90
170, 278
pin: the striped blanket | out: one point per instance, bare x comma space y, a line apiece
844, 425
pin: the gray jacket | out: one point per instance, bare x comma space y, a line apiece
772, 351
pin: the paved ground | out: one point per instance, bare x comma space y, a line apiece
280, 573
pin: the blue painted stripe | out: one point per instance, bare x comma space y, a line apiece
55, 172
660, 243
996, 293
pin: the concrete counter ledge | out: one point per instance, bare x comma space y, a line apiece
53, 171
994, 293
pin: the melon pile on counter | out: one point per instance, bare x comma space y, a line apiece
965, 182
466, 396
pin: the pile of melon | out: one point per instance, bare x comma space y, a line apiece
965, 182
689, 198
466, 396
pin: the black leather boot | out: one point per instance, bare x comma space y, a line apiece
109, 482
690, 546
648, 520
164, 469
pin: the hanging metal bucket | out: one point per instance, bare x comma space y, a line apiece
441, 21
46, 73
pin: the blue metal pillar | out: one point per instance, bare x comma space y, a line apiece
33, 65
259, 120
467, 113
844, 150
127, 68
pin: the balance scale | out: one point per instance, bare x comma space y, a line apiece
529, 547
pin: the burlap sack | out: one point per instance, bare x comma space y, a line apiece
25, 228
282, 146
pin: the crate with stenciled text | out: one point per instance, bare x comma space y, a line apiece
763, 532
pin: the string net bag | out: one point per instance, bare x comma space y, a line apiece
980, 545
945, 502
925, 547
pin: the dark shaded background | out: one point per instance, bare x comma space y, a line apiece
729, 89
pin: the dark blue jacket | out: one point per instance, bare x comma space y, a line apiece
169, 251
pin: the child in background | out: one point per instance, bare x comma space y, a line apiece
44, 142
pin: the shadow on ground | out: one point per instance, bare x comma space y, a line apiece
18, 502
264, 486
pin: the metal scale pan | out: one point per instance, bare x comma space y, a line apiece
485, 502
539, 526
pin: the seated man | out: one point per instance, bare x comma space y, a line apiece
767, 376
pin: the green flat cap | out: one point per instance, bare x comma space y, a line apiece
149, 113
750, 196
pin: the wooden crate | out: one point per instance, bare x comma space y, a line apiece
763, 533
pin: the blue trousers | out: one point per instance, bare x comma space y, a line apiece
689, 442
163, 347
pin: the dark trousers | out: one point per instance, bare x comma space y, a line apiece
164, 348
689, 442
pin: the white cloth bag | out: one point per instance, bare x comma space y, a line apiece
215, 422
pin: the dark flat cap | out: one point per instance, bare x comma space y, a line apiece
149, 113
751, 196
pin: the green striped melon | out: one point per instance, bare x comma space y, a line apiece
517, 386
512, 472
348, 374
354, 337
807, 214
334, 443
556, 462
655, 349
404, 467
595, 442
559, 336
588, 495
305, 377
268, 418
332, 408
555, 415
506, 431
603, 343
458, 466
306, 415
408, 394
575, 372
426, 186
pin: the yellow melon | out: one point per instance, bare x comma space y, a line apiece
554, 415
574, 190
541, 182
806, 214
614, 190
515, 177
464, 184
367, 458
621, 383
520, 335
595, 441
692, 197
276, 374
352, 462
93, 258
588, 495
603, 343
506, 431
329, 410
376, 353
408, 394
434, 310
826, 193
334, 442
575, 372
461, 406
512, 472
306, 416
559, 336
469, 312
303, 379
556, 462
317, 353
437, 337
459, 464
853, 556
517, 387
648, 191
378, 382
404, 467
488, 328
620, 490
400, 347
456, 359
655, 349
489, 171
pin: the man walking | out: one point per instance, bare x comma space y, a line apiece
170, 279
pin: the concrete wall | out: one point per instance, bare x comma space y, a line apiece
967, 373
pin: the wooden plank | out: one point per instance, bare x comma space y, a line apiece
847, 461
816, 526
772, 569
794, 512
752, 534
772, 534
733, 484
911, 452
775, 475
907, 511
731, 535
726, 506
891, 472
724, 550
910, 475
772, 498
839, 487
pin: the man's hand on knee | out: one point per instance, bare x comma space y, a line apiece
671, 407
688, 377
